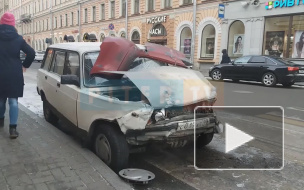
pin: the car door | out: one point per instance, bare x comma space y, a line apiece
43, 75
236, 71
255, 67
67, 94
54, 77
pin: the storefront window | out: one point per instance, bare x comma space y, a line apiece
208, 40
275, 37
135, 37
297, 37
185, 41
236, 39
284, 36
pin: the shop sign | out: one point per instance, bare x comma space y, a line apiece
221, 11
282, 3
156, 31
158, 19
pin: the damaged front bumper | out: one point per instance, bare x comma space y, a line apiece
176, 129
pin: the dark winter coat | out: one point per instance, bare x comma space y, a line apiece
225, 59
11, 73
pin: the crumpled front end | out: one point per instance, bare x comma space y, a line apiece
171, 95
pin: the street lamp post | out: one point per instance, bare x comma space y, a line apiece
79, 21
193, 31
126, 19
52, 22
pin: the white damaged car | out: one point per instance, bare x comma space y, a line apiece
122, 96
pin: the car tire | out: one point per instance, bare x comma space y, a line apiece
111, 147
288, 84
269, 79
48, 114
203, 140
216, 74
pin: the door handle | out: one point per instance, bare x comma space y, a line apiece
45, 77
58, 84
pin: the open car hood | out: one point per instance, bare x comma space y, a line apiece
169, 86
117, 54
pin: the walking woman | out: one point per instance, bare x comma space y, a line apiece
11, 70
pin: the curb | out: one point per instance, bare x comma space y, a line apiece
111, 177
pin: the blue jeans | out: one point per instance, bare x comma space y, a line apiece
13, 111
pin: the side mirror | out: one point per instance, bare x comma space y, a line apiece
70, 79
232, 62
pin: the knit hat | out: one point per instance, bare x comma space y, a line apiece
8, 19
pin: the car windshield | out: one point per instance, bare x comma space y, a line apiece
139, 64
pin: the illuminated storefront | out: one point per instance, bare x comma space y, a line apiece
264, 27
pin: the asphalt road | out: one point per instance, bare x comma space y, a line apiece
174, 167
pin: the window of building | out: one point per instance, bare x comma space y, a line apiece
123, 35
185, 41
185, 2
102, 12
167, 3
208, 42
112, 9
85, 15
47, 24
150, 5
72, 18
135, 37
102, 37
66, 19
284, 36
94, 14
236, 39
55, 23
136, 7
60, 21
123, 8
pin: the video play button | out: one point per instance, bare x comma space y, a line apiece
235, 138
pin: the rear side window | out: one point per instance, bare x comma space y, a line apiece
257, 59
48, 60
58, 62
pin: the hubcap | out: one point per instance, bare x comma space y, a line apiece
268, 79
216, 75
103, 149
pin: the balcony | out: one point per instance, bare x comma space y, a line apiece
26, 18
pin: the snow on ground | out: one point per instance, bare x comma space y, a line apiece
31, 99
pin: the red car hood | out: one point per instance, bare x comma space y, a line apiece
117, 54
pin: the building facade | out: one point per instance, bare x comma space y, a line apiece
264, 27
166, 22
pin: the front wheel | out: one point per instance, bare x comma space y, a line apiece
48, 114
269, 79
216, 74
111, 147
203, 140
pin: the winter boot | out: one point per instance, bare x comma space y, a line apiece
13, 131
2, 122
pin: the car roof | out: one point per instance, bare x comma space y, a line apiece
78, 46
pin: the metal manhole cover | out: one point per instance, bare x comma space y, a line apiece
137, 175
